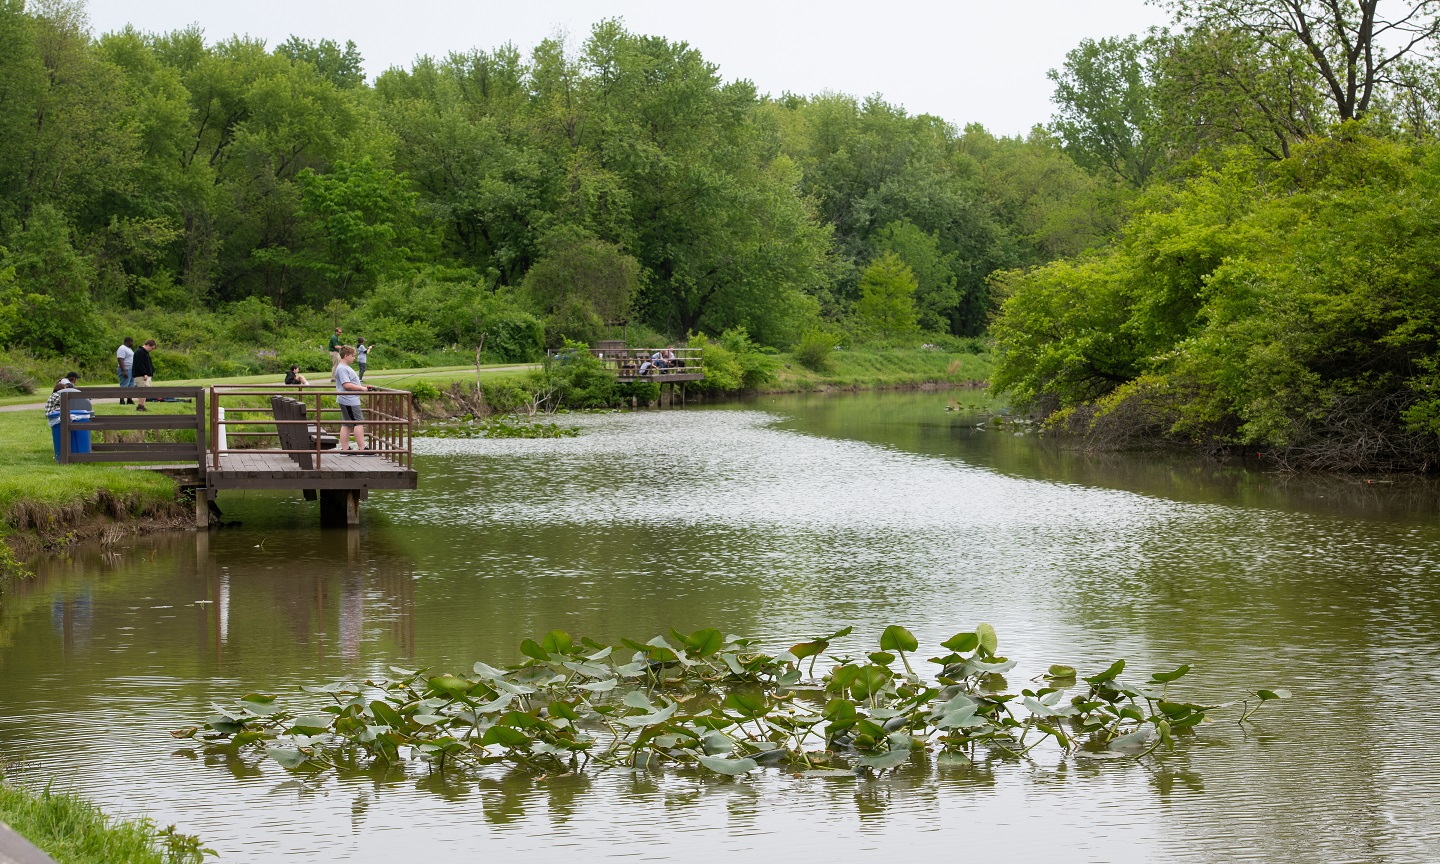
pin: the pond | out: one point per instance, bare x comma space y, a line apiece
778, 518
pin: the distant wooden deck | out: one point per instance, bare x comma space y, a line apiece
627, 363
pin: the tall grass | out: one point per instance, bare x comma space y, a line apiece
73, 831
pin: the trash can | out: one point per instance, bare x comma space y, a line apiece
79, 438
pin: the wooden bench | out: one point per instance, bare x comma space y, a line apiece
293, 436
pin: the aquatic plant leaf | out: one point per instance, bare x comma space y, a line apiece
809, 649
1267, 695
1167, 677
487, 672
311, 724
506, 736
885, 761
600, 686
1109, 674
897, 638
829, 773
1060, 671
717, 743
1139, 738
531, 648
962, 643
556, 642
637, 699
722, 765
386, 714
288, 758
989, 642
747, 704
703, 643
652, 719
500, 703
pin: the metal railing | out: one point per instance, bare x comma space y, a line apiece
627, 362
135, 451
389, 422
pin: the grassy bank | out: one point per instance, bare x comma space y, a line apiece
881, 369
44, 504
73, 831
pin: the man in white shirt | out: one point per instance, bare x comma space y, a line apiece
124, 363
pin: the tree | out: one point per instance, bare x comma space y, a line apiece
1354, 46
361, 225
936, 299
1107, 116
575, 267
47, 307
887, 297
343, 67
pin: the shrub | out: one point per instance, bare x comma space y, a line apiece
816, 350
579, 379
643, 392
733, 363
423, 390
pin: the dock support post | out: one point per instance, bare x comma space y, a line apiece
202, 509
339, 508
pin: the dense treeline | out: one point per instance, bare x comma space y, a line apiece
1276, 284
237, 200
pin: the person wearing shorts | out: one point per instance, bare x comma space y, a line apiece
347, 384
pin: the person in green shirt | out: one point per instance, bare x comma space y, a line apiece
334, 352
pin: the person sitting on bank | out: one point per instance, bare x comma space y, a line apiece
294, 377
347, 384
52, 405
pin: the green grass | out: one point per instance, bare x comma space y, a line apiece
875, 368
73, 831
32, 477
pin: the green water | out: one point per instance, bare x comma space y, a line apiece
777, 518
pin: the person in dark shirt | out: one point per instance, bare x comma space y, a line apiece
142, 369
334, 351
294, 376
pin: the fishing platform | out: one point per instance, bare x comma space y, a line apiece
263, 437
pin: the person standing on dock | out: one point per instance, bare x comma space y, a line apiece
142, 369
124, 361
334, 351
347, 384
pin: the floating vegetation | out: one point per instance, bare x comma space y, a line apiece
499, 428
716, 703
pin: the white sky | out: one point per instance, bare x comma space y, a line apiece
964, 60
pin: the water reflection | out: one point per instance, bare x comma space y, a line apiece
779, 519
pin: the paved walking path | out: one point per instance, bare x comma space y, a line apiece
261, 380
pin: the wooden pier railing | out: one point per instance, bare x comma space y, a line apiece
627, 363
304, 419
134, 451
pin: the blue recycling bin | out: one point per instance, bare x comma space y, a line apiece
79, 438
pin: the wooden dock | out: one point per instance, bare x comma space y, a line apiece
272, 438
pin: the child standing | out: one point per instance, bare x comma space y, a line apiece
347, 384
